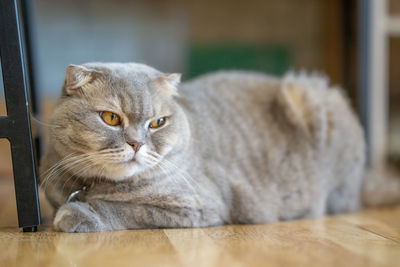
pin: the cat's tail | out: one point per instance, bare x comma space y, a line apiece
381, 187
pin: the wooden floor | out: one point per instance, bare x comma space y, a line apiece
369, 238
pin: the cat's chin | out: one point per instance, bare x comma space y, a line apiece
119, 171
116, 171
123, 171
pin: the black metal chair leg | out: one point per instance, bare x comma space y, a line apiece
16, 126
28, 22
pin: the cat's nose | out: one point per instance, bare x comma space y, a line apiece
135, 145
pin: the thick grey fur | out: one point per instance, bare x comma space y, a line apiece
238, 147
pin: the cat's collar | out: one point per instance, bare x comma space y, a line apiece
78, 195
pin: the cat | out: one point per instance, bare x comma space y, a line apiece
131, 147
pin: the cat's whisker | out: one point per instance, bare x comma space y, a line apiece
60, 165
165, 161
88, 165
185, 177
76, 175
36, 120
70, 166
168, 173
101, 171
150, 160
165, 165
179, 173
66, 181
154, 159
79, 173
190, 186
153, 153
111, 150
72, 185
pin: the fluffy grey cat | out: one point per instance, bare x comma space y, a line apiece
130, 148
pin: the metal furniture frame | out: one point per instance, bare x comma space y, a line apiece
16, 125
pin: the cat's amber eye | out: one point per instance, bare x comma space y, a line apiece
157, 123
110, 118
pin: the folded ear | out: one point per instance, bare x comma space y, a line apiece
169, 83
76, 77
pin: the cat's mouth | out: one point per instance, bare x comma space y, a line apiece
130, 161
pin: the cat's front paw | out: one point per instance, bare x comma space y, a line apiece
77, 217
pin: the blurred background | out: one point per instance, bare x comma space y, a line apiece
195, 37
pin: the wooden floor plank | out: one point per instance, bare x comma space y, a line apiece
119, 248
382, 221
324, 242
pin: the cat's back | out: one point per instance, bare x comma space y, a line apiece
229, 100
227, 84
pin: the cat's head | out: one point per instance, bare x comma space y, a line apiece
117, 120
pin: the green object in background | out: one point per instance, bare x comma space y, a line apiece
271, 59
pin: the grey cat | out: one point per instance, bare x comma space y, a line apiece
139, 150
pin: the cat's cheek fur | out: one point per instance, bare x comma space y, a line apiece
165, 147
